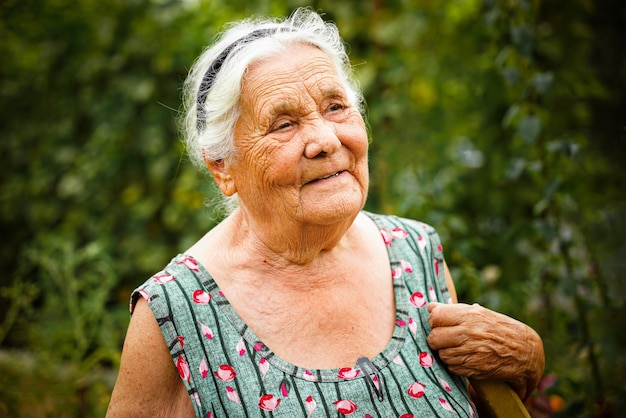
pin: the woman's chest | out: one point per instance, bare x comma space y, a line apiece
325, 327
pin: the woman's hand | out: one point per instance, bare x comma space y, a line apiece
474, 341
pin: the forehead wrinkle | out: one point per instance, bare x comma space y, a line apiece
328, 84
301, 97
283, 100
271, 90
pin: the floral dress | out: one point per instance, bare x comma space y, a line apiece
229, 372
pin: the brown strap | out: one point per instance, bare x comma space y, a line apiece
496, 399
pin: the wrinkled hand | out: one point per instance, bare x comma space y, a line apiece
474, 341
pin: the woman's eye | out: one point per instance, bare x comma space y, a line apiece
335, 107
282, 125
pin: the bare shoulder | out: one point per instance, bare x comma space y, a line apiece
148, 384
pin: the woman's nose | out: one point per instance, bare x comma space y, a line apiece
321, 139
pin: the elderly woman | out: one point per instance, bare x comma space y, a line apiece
299, 303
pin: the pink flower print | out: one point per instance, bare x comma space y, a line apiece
387, 238
416, 390
190, 263
269, 402
345, 407
232, 395
201, 297
413, 327
446, 405
398, 360
206, 331
431, 294
310, 405
471, 410
444, 384
264, 366
181, 341
307, 375
401, 323
241, 347
406, 266
436, 267
196, 398
225, 373
258, 347
163, 277
284, 388
396, 272
418, 300
376, 382
144, 295
421, 243
209, 414
348, 373
440, 248
203, 368
399, 233
407, 416
426, 360
183, 368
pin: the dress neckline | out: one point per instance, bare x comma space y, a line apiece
380, 361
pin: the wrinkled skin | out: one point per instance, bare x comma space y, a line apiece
476, 342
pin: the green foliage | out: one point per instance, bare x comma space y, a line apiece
498, 122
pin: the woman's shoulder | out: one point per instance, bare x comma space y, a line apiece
147, 382
396, 226
183, 274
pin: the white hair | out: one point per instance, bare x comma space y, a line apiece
210, 137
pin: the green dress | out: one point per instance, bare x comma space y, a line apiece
229, 372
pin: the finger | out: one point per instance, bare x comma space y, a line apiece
446, 315
461, 370
459, 357
432, 305
446, 337
476, 360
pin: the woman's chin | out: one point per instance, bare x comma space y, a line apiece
330, 211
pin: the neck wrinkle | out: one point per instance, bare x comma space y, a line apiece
277, 255
286, 241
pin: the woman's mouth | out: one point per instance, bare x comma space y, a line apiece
329, 176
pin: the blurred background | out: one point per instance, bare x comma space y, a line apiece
500, 122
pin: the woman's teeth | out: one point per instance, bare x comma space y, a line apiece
332, 175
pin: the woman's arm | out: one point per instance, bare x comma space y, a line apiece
476, 342
148, 384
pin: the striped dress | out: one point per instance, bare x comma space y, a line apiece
229, 372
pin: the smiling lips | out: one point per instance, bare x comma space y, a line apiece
327, 177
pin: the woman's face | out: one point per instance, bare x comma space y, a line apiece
301, 146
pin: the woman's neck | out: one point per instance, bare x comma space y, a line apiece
237, 255
290, 243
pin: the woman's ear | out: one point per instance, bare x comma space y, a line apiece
223, 179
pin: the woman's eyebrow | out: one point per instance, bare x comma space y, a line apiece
292, 104
281, 107
332, 89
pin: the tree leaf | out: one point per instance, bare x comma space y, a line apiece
529, 128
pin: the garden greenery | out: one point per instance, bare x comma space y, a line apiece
500, 122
